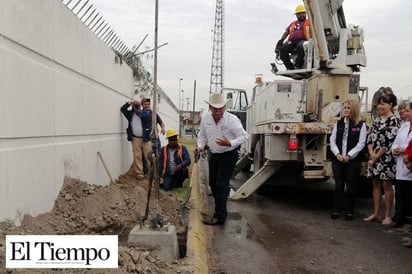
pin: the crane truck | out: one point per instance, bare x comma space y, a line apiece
289, 121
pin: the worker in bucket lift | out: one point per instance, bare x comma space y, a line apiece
297, 33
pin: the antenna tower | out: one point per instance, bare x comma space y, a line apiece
216, 74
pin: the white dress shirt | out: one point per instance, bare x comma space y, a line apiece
402, 140
229, 126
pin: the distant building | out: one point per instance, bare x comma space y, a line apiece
190, 121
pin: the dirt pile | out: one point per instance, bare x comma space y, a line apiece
81, 208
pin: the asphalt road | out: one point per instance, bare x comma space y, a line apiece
289, 230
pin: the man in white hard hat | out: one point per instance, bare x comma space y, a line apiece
223, 133
174, 160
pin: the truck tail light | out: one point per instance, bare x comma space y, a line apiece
293, 143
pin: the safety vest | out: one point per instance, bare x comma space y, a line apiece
165, 154
306, 28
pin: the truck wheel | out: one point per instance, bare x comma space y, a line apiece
258, 156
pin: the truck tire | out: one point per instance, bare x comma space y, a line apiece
258, 159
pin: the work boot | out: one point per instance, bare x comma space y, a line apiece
349, 217
274, 68
335, 215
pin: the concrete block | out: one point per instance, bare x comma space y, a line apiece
163, 241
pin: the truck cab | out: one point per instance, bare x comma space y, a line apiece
236, 103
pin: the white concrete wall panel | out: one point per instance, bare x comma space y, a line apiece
98, 56
169, 116
68, 33
68, 158
2, 17
110, 151
29, 23
4, 187
29, 96
69, 105
60, 97
30, 171
101, 113
3, 102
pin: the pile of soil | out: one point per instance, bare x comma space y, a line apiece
81, 208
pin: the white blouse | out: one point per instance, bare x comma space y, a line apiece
402, 139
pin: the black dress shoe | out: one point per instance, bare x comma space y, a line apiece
349, 217
335, 215
213, 221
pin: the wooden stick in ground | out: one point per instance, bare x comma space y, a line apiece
105, 167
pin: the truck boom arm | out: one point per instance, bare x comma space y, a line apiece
335, 47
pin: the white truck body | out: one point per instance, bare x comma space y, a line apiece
290, 121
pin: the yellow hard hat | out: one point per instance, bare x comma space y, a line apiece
170, 133
300, 9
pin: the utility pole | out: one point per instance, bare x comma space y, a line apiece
183, 99
154, 172
180, 85
187, 104
193, 112
180, 111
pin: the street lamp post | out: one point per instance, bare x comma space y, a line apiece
180, 85
180, 111
183, 99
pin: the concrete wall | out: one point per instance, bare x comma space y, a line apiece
60, 94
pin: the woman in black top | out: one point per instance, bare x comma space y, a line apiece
347, 142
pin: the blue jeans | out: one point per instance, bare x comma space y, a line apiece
345, 174
176, 179
221, 166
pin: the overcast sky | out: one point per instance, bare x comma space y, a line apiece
252, 28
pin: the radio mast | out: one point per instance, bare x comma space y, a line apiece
216, 74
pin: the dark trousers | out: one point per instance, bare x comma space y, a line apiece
403, 201
291, 47
345, 174
221, 166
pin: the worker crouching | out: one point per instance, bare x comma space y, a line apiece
174, 160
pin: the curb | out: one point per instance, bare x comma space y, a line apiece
196, 248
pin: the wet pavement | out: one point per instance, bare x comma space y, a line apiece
289, 230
